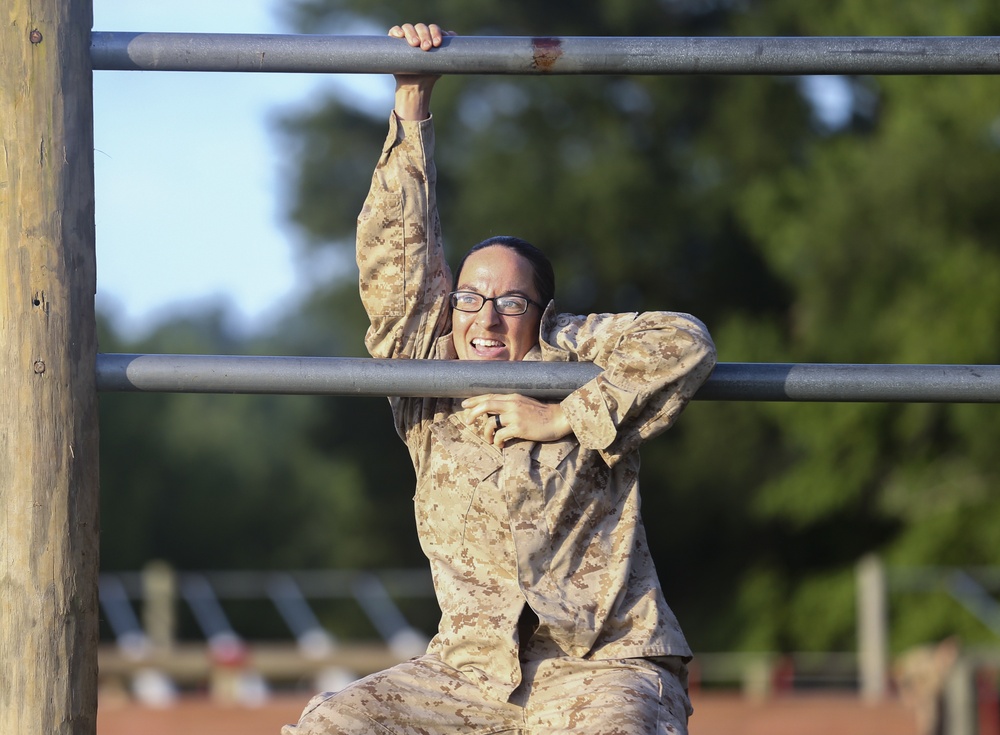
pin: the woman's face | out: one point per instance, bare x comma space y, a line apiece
485, 334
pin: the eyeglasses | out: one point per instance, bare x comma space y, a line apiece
507, 305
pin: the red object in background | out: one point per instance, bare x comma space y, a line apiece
987, 702
228, 650
783, 678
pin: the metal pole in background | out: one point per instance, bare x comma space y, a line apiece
458, 378
546, 55
873, 623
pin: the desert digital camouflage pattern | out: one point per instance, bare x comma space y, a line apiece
426, 697
552, 526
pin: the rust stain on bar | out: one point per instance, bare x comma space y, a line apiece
545, 52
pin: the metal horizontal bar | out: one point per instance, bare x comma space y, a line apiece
458, 378
336, 376
547, 55
876, 383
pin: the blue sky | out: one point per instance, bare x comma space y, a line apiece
189, 174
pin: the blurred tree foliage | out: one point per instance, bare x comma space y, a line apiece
871, 237
228, 481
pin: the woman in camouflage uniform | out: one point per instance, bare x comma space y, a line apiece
552, 614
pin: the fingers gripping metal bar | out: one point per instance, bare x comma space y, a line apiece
546, 55
554, 380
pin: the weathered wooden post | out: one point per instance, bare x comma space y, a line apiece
48, 398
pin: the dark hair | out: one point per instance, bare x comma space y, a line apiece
544, 277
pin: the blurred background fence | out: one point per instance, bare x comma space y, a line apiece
172, 631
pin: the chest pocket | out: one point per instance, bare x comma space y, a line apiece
552, 454
459, 462
553, 466
573, 482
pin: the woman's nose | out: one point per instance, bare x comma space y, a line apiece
488, 314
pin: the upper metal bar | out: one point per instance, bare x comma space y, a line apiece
459, 378
547, 55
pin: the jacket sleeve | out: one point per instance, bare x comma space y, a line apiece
653, 364
403, 276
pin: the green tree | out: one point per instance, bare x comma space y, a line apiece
227, 481
630, 184
886, 237
794, 240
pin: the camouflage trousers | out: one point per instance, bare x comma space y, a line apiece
427, 697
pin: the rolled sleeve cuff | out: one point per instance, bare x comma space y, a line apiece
595, 411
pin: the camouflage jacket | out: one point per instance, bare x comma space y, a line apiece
553, 525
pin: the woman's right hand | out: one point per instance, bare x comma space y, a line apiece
421, 34
413, 91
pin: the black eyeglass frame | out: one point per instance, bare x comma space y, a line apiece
483, 299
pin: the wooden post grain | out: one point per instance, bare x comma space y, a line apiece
48, 399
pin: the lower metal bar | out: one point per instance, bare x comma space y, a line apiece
458, 378
546, 55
